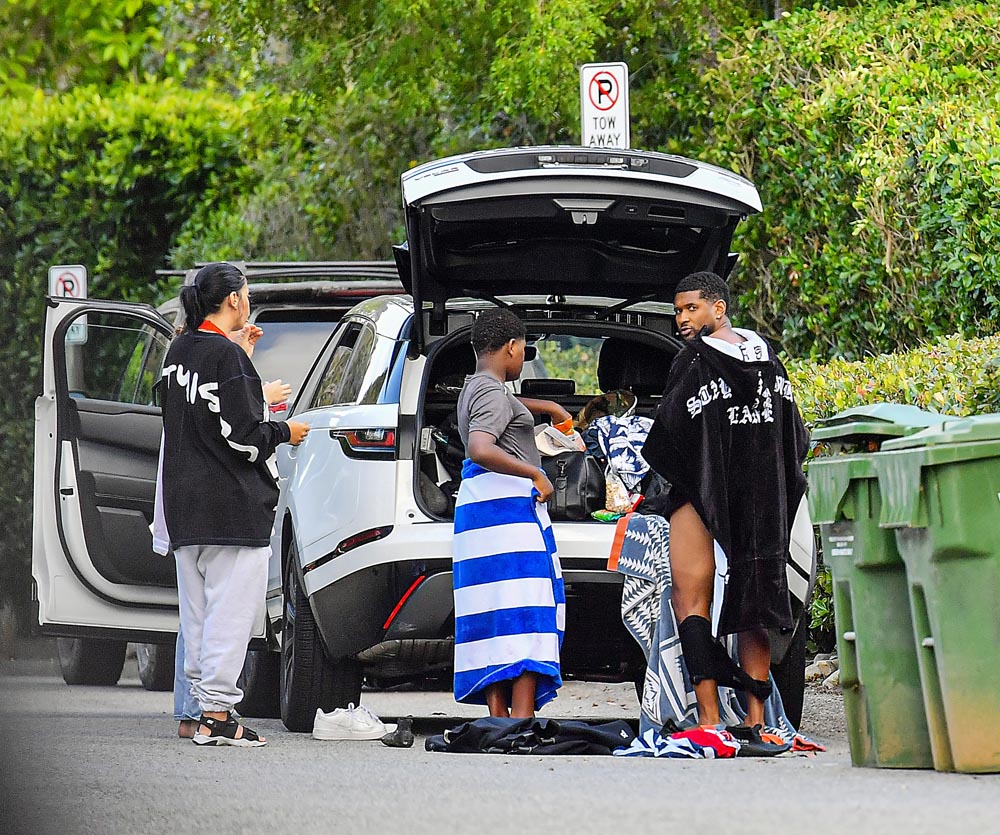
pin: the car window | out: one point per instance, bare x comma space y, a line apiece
345, 372
354, 373
115, 357
379, 368
569, 358
287, 349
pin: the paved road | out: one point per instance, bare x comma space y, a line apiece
105, 760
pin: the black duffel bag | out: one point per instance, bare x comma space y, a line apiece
579, 485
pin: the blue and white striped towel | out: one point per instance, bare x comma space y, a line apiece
510, 605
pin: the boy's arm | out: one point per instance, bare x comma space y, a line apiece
483, 450
556, 413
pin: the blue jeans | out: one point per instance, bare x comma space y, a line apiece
185, 705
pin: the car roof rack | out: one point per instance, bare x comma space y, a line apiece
298, 270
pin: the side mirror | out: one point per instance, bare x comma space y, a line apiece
530, 353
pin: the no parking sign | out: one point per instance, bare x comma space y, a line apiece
604, 110
69, 281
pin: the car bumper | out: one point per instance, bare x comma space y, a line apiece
391, 606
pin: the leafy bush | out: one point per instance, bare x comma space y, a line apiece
106, 181
873, 135
951, 375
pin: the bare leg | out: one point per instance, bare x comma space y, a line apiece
692, 569
496, 700
755, 659
523, 696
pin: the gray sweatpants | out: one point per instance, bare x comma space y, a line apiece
221, 589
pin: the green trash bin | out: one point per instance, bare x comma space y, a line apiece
879, 673
941, 490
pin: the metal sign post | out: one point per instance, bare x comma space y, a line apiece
69, 281
604, 111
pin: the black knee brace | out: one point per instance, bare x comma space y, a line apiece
699, 648
707, 659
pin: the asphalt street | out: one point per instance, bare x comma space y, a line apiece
107, 760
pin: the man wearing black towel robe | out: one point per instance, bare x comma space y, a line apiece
729, 439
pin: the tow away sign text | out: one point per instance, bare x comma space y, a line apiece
604, 112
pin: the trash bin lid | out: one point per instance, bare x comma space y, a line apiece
903, 461
967, 430
829, 478
875, 421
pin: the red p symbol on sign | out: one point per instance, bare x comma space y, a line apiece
603, 91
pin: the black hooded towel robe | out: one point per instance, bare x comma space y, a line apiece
729, 439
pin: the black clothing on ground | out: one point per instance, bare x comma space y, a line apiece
217, 488
729, 439
495, 735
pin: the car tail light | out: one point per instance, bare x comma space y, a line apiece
368, 444
350, 543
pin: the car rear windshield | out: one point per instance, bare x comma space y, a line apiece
287, 349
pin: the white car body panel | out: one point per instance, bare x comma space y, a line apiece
436, 178
328, 494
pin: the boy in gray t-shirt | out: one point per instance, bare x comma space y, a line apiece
487, 405
497, 429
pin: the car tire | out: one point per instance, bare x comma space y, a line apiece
91, 660
790, 673
156, 666
260, 684
309, 680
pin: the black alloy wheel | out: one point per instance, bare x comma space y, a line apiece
309, 680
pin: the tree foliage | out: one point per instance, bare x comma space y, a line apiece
106, 181
872, 135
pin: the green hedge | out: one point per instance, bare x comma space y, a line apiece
105, 180
950, 375
872, 134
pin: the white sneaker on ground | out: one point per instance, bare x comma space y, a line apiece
348, 723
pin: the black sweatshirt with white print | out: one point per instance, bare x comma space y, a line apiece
217, 488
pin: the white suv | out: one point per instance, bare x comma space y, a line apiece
587, 247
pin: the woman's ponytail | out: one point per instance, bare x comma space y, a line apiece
194, 309
212, 286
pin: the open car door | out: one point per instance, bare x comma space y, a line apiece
97, 439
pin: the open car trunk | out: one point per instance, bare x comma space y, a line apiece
561, 221
576, 363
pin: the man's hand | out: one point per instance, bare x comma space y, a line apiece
276, 392
246, 337
299, 430
543, 486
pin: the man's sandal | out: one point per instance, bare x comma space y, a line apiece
223, 732
753, 744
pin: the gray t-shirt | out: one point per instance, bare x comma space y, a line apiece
487, 405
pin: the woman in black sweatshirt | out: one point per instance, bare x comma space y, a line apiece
218, 493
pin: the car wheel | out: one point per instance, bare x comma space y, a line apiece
259, 683
91, 660
309, 680
156, 665
790, 673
